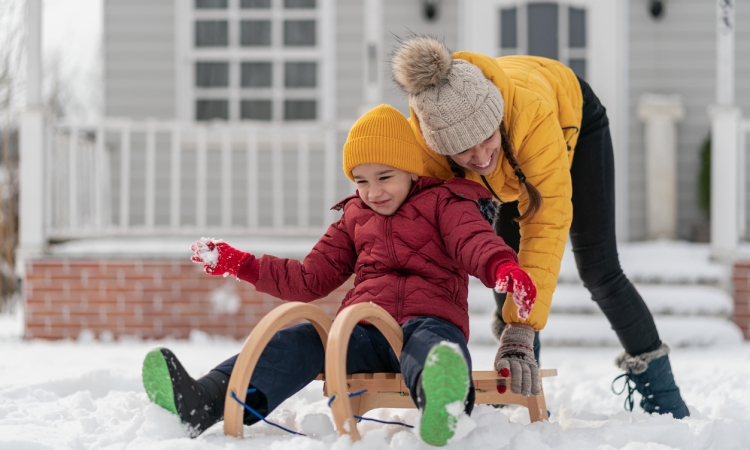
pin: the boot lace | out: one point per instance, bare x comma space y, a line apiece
629, 385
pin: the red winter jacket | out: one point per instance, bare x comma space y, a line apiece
413, 263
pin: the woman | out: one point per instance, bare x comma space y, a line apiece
514, 124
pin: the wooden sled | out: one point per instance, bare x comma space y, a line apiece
383, 390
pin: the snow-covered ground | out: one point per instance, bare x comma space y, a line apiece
88, 395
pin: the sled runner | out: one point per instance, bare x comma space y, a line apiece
382, 390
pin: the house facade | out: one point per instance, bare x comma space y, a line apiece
325, 61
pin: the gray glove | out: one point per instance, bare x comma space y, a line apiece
515, 358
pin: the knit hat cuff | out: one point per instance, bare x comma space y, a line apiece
382, 150
472, 130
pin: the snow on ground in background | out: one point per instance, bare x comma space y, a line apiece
73, 395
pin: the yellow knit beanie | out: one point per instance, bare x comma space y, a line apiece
382, 136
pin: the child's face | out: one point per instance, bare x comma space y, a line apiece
481, 158
382, 188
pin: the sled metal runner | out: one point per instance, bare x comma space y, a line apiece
383, 390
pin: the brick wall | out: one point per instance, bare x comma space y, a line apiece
142, 298
741, 281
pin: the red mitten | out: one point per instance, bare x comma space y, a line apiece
218, 258
511, 278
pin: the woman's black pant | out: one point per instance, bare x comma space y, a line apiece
592, 232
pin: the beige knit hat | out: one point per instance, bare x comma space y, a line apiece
457, 106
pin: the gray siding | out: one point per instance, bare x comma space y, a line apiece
349, 58
139, 58
677, 55
400, 18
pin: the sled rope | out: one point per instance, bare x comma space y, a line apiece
360, 418
259, 416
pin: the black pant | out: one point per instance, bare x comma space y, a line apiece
592, 232
295, 356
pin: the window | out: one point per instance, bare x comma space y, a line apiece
542, 30
212, 74
264, 4
508, 32
533, 28
256, 74
211, 33
255, 33
255, 60
299, 4
256, 110
300, 74
210, 4
300, 109
212, 109
299, 33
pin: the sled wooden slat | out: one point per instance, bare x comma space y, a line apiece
254, 346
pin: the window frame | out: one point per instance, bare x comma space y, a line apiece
565, 52
322, 53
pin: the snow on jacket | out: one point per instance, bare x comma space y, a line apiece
413, 263
543, 111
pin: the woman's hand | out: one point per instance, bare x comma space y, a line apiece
218, 258
515, 359
511, 278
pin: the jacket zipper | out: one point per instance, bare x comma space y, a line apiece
392, 256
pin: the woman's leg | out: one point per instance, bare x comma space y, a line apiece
592, 234
507, 228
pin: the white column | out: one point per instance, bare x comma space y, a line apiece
31, 160
660, 113
725, 52
725, 139
373, 51
725, 136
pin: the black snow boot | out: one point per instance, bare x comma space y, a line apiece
652, 375
198, 403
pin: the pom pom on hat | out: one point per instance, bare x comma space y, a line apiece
457, 106
382, 136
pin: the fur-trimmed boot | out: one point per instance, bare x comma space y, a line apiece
652, 375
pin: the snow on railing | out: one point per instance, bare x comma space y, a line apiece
122, 177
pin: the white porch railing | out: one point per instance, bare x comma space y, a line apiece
125, 178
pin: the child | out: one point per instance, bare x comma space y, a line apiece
411, 243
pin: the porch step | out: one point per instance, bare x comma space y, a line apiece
662, 261
595, 331
662, 299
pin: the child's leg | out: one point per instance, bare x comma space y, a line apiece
293, 357
436, 366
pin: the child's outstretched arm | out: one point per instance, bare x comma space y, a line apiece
326, 267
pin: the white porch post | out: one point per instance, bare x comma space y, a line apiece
31, 162
661, 114
373, 32
725, 138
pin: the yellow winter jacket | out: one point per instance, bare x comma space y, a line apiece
543, 110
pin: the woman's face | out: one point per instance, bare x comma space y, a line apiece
481, 158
